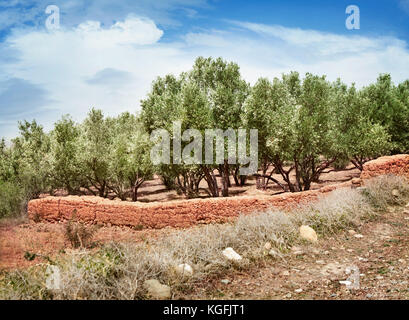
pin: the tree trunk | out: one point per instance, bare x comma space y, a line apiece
211, 181
224, 170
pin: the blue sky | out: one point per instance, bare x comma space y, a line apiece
106, 53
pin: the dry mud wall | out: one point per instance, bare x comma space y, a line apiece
186, 213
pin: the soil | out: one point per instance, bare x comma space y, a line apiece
315, 272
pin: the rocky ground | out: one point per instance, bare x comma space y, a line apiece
377, 251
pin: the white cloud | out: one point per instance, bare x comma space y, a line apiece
112, 67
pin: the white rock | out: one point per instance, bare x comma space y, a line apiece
395, 193
230, 254
156, 290
308, 233
298, 290
273, 253
268, 246
347, 283
358, 236
225, 281
285, 273
352, 232
297, 251
184, 270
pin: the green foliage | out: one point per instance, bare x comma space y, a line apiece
31, 159
65, 152
389, 107
129, 161
12, 199
302, 130
94, 142
358, 137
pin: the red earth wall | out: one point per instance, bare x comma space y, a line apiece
180, 214
398, 165
186, 213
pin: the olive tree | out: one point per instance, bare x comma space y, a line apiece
129, 160
388, 109
260, 109
226, 92
95, 147
65, 151
31, 158
358, 137
303, 132
177, 102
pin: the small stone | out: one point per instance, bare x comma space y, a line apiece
379, 277
184, 270
358, 236
225, 281
369, 296
273, 253
320, 262
395, 193
232, 255
315, 251
401, 261
267, 246
308, 233
288, 295
356, 181
285, 273
297, 251
156, 290
347, 283
298, 290
352, 232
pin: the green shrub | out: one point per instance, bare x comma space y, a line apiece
12, 200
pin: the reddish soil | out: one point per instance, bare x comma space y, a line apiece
48, 239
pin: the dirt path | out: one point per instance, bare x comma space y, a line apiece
315, 271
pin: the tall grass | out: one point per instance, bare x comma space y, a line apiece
117, 271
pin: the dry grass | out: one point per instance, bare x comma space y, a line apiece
78, 234
117, 271
380, 191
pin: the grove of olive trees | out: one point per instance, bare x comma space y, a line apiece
305, 125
